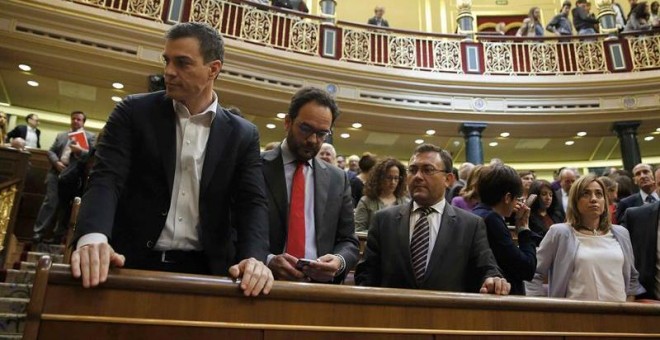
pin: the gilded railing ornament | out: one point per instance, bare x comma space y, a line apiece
543, 58
7, 200
305, 37
590, 57
256, 25
209, 12
447, 56
645, 52
356, 46
147, 8
402, 51
498, 57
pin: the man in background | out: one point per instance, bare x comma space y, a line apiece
63, 153
377, 19
30, 133
643, 178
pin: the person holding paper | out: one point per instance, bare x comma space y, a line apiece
64, 152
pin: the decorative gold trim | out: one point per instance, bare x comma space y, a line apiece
242, 325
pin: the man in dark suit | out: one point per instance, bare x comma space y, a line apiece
566, 178
310, 206
177, 184
445, 249
643, 178
642, 223
64, 153
377, 19
30, 133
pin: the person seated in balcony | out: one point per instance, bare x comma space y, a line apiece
531, 26
587, 258
296, 5
583, 22
560, 25
377, 19
500, 28
385, 187
639, 18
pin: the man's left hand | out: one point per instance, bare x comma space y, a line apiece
495, 285
324, 269
255, 276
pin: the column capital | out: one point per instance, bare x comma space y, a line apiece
472, 129
626, 127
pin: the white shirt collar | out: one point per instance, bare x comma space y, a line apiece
208, 113
438, 207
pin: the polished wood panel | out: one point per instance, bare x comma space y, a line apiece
141, 300
33, 194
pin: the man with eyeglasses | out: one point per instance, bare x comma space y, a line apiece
30, 133
429, 244
312, 236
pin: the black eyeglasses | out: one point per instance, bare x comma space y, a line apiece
426, 170
308, 131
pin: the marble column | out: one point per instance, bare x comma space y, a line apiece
474, 152
627, 132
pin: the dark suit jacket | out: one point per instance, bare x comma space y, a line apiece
518, 262
333, 209
20, 131
558, 209
374, 21
61, 140
461, 259
130, 186
643, 228
634, 200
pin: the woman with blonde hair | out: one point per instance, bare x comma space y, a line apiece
531, 26
469, 196
588, 258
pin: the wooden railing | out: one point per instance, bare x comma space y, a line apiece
155, 305
447, 53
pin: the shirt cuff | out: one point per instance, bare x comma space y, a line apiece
342, 268
269, 258
91, 238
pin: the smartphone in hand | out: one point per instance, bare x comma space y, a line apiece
530, 200
303, 262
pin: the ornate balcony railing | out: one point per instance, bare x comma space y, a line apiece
349, 42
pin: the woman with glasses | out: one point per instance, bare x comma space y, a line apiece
500, 188
588, 258
385, 187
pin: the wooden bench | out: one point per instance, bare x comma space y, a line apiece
135, 304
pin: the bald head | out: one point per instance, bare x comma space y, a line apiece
566, 178
643, 177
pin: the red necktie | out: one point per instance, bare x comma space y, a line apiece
295, 242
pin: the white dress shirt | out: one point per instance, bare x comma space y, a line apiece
434, 223
564, 199
645, 195
31, 137
181, 225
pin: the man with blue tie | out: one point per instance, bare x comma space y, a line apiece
429, 244
643, 177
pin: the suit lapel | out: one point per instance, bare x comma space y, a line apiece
321, 184
442, 240
273, 169
165, 127
221, 129
403, 236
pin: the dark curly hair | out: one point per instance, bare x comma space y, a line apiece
374, 184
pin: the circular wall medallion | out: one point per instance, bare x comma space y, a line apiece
479, 104
629, 102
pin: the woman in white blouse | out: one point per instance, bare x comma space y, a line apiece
588, 258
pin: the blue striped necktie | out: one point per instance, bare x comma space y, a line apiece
419, 244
